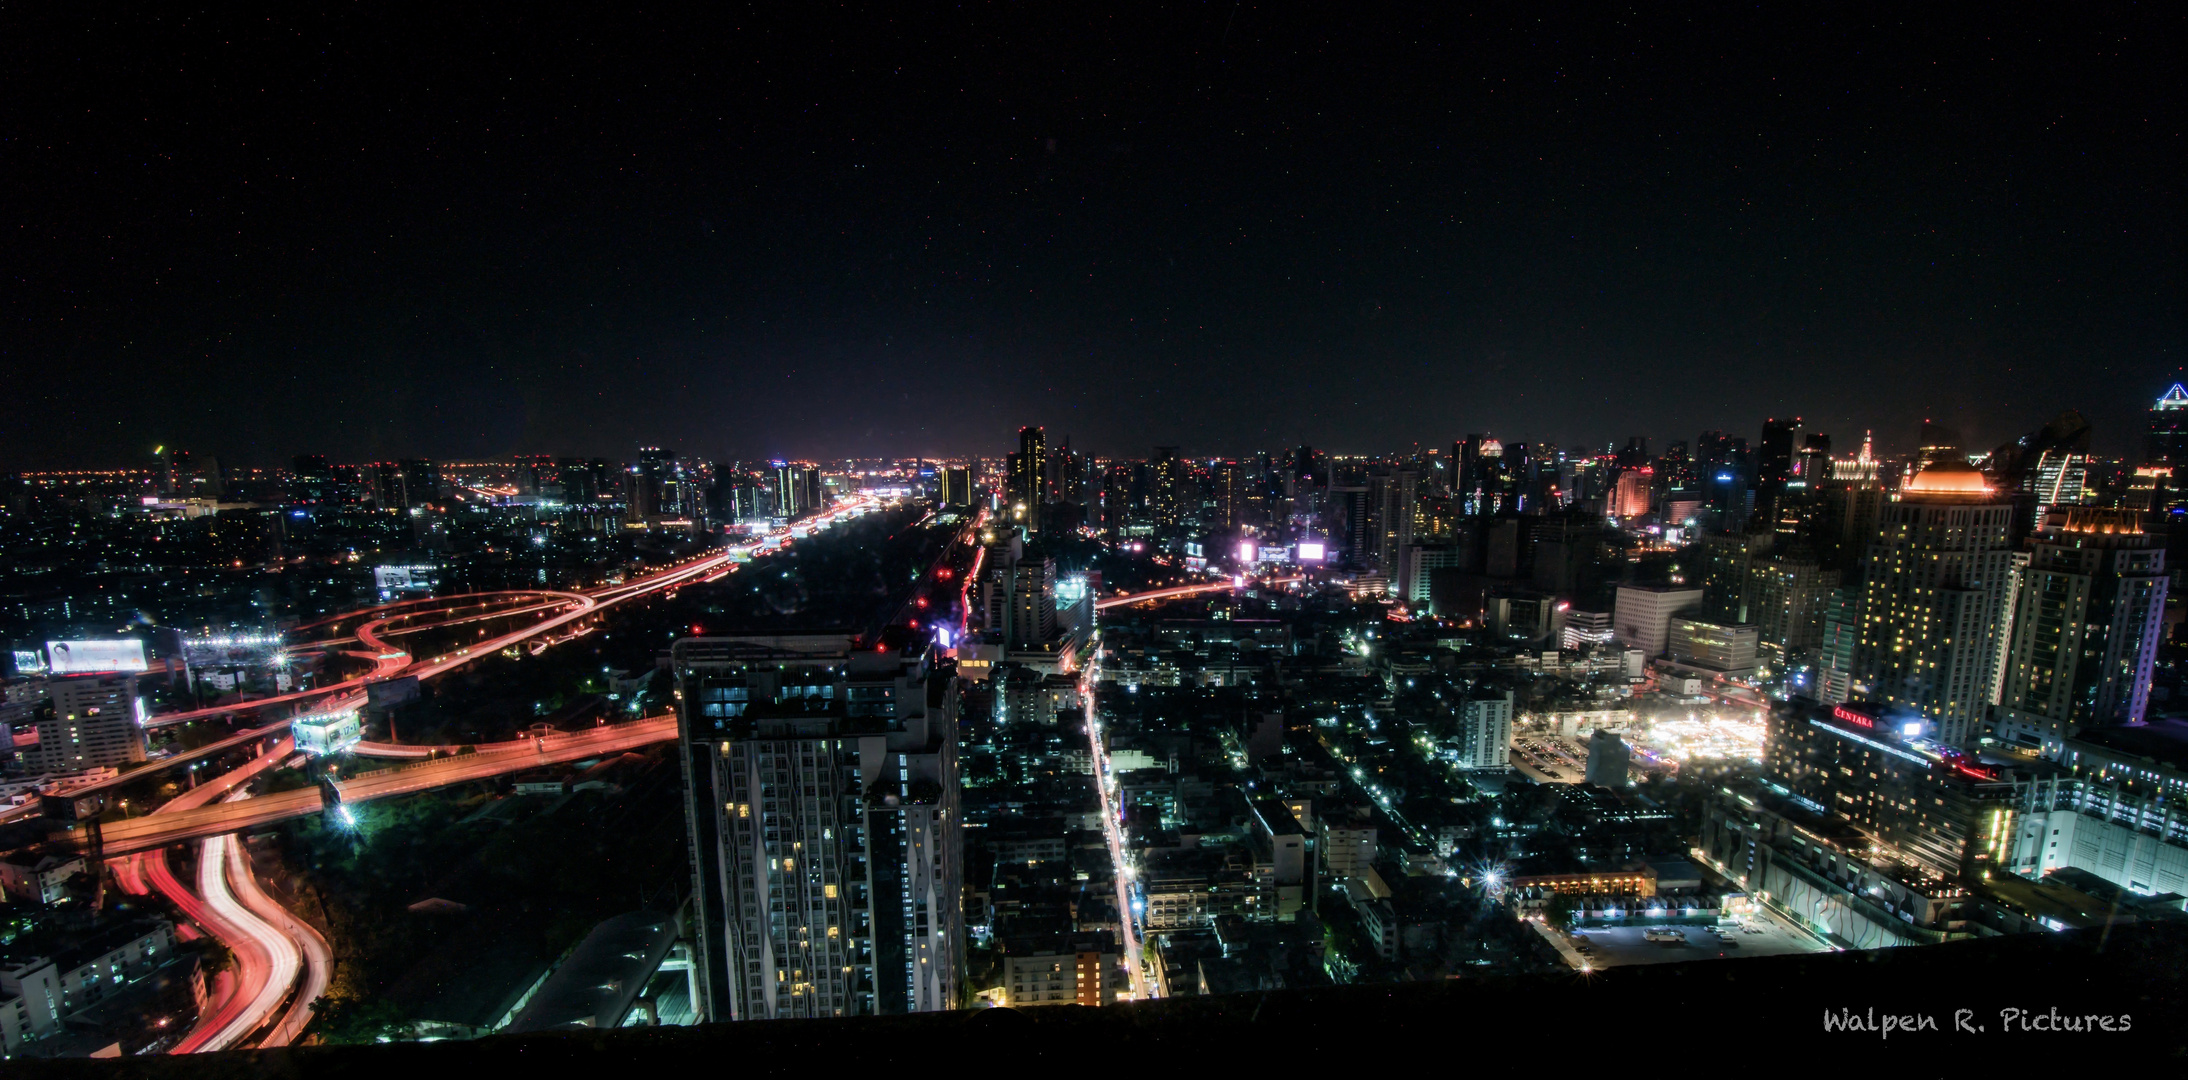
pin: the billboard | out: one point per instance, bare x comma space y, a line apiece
30, 661
95, 657
388, 692
1071, 590
1312, 551
391, 580
327, 732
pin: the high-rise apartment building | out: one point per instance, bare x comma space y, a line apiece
421, 482
1236, 486
94, 725
1348, 517
1775, 456
812, 494
822, 801
1417, 565
1833, 681
1392, 494
1786, 597
312, 481
1934, 584
2087, 619
1727, 565
1018, 595
2061, 478
1484, 737
1854, 493
654, 487
1167, 503
1724, 468
1025, 487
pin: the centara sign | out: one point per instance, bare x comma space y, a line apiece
1852, 717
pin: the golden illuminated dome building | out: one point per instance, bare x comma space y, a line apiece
1936, 578
1948, 478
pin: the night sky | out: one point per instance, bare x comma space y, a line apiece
841, 232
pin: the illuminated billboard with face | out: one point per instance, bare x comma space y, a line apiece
95, 657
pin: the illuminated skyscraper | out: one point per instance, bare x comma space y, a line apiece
2086, 625
1855, 495
956, 486
1170, 482
822, 802
1026, 486
1934, 583
2167, 440
1018, 594
421, 480
1787, 596
654, 486
1392, 496
1776, 461
783, 486
2165, 449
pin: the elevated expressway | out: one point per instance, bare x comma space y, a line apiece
281, 959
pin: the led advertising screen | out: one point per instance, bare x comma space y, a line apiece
95, 657
1312, 551
394, 579
328, 732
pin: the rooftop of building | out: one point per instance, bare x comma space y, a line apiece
1949, 480
1277, 818
2077, 899
602, 976
1051, 942
2164, 740
70, 944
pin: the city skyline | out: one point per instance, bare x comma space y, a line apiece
1198, 533
2122, 445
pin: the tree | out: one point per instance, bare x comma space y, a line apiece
1559, 909
358, 1020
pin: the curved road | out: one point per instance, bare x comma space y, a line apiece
302, 940
274, 949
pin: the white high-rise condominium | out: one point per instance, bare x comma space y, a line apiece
822, 797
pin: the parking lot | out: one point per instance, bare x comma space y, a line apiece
1549, 759
1614, 946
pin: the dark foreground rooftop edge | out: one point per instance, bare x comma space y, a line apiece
1947, 1004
